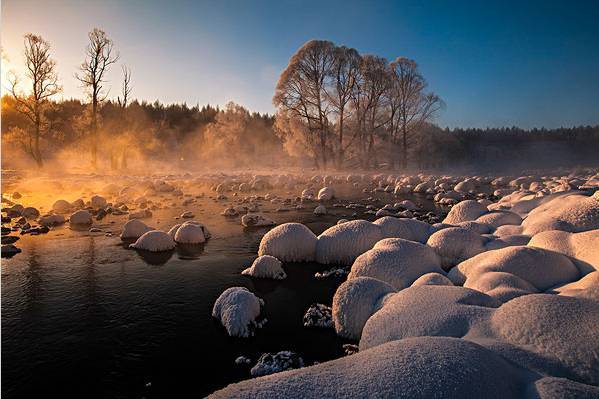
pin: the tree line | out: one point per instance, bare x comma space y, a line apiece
335, 108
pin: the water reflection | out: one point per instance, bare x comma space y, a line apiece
189, 251
155, 258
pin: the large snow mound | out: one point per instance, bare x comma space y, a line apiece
343, 243
415, 368
465, 211
432, 279
289, 242
456, 244
396, 261
572, 213
541, 268
558, 327
237, 309
355, 301
134, 229
427, 311
154, 241
409, 229
584, 246
266, 266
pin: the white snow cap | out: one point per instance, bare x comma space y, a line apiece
343, 243
409, 229
396, 261
237, 309
134, 229
193, 233
325, 194
456, 244
266, 266
423, 367
289, 242
255, 220
465, 211
355, 301
154, 241
320, 210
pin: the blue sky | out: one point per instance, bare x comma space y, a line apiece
503, 63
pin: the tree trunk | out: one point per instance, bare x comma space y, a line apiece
94, 132
36, 144
404, 149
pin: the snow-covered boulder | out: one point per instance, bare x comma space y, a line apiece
98, 202
430, 310
154, 241
237, 309
134, 229
51, 220
432, 279
541, 268
572, 213
30, 213
396, 261
409, 229
583, 247
465, 211
325, 194
289, 242
190, 233
266, 266
61, 206
355, 301
271, 363
455, 244
343, 243
80, 218
561, 329
418, 368
499, 218
320, 210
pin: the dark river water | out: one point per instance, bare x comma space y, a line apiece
84, 316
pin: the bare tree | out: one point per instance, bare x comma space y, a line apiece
344, 75
41, 71
302, 93
411, 106
99, 56
123, 102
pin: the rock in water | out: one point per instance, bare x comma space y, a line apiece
318, 315
270, 363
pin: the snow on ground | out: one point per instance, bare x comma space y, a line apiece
516, 315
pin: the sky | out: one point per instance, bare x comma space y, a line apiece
494, 63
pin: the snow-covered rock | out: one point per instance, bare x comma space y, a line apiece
289, 242
465, 211
355, 301
455, 244
134, 229
408, 229
343, 243
427, 310
61, 206
237, 309
320, 210
51, 220
424, 367
98, 202
540, 268
266, 266
325, 194
270, 363
81, 217
432, 279
190, 233
154, 241
572, 213
318, 315
396, 261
